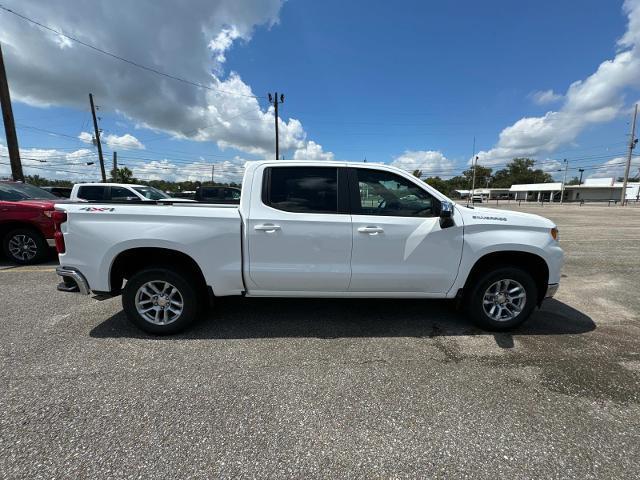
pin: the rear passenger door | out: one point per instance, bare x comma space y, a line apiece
299, 231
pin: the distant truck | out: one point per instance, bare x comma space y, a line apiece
26, 222
119, 192
310, 229
218, 194
60, 192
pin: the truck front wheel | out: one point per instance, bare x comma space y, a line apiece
502, 299
160, 300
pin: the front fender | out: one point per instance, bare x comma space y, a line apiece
480, 240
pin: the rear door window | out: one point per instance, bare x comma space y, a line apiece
302, 189
92, 192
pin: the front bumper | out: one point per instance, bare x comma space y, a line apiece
552, 288
72, 281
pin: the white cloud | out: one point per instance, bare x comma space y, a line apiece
544, 97
597, 99
224, 171
312, 151
126, 141
615, 168
223, 42
430, 162
191, 43
86, 137
78, 165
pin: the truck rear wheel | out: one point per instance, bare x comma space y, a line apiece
502, 299
159, 300
25, 246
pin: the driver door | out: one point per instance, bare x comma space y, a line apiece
398, 244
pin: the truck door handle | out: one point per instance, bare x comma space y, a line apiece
371, 230
267, 227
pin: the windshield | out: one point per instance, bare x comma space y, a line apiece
151, 193
14, 192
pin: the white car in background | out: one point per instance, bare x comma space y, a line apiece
119, 192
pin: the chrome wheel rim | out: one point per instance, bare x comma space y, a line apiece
504, 300
159, 302
23, 247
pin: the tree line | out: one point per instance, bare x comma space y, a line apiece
518, 170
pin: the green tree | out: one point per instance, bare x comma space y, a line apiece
122, 175
443, 186
39, 181
520, 170
483, 176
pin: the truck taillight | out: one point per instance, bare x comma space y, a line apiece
58, 219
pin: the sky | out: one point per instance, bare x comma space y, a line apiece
409, 83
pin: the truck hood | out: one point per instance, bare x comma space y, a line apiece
493, 216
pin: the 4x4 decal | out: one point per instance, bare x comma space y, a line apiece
98, 209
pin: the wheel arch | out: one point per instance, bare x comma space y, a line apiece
530, 262
132, 260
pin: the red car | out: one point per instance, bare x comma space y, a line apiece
26, 223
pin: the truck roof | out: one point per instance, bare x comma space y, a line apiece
91, 184
317, 162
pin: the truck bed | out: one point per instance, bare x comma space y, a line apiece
208, 233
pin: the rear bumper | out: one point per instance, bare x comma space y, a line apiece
72, 281
552, 288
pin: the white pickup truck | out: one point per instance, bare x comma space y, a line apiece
309, 229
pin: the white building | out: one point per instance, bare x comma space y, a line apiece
592, 190
537, 192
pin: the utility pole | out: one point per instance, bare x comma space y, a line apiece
473, 183
566, 167
114, 173
581, 170
632, 144
97, 134
275, 100
9, 126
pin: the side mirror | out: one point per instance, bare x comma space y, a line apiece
446, 214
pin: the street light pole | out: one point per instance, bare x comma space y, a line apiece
566, 167
632, 144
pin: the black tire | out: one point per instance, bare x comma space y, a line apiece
36, 246
475, 306
182, 281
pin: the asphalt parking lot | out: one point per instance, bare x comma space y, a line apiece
333, 388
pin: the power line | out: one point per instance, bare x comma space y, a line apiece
126, 60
